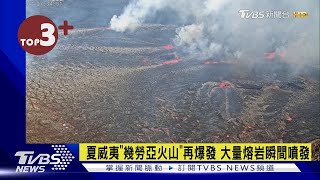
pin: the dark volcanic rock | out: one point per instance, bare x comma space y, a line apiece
102, 86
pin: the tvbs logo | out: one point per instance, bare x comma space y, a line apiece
300, 14
247, 14
29, 162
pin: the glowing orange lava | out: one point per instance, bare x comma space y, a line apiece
211, 62
289, 119
168, 47
224, 84
270, 56
172, 61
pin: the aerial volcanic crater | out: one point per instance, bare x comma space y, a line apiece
158, 84
143, 93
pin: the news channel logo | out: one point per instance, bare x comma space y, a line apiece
271, 14
31, 162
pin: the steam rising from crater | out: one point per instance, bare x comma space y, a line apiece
214, 29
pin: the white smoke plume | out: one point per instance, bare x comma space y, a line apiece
214, 29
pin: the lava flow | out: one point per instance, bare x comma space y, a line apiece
211, 62
172, 61
270, 56
225, 84
168, 47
